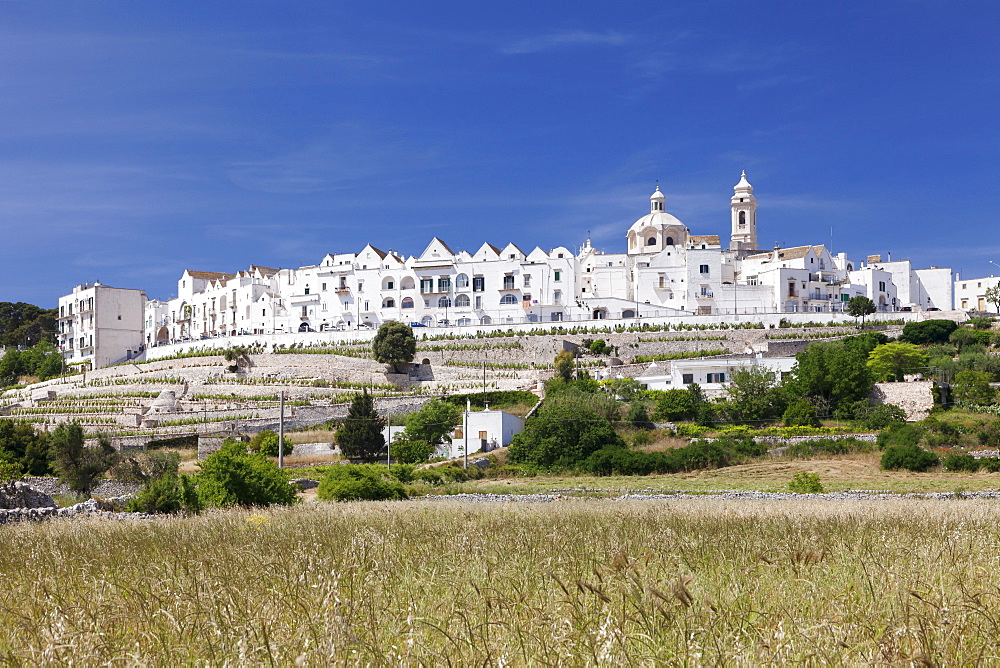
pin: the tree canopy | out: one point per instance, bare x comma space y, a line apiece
24, 324
77, 465
928, 331
434, 422
360, 436
394, 344
860, 306
890, 361
562, 433
834, 374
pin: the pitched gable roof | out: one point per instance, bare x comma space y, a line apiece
208, 275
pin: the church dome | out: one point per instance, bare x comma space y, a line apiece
658, 220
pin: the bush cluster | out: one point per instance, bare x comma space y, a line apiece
699, 455
360, 482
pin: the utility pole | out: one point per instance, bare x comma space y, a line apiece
465, 429
281, 429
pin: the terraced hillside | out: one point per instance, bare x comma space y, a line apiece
199, 394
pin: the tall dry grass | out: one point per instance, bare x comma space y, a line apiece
697, 582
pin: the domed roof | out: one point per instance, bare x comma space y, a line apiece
660, 219
657, 217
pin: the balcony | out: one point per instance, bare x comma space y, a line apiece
342, 290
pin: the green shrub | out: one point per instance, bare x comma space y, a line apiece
910, 457
966, 463
266, 443
828, 446
805, 483
991, 464
234, 477
167, 494
9, 469
900, 434
800, 413
638, 417
359, 483
412, 451
402, 472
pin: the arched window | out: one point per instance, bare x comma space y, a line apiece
462, 301
464, 322
508, 299
407, 302
444, 302
461, 281
486, 320
743, 218
407, 283
600, 314
628, 314
670, 241
388, 283
427, 321
389, 302
651, 241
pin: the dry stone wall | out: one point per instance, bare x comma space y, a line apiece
916, 398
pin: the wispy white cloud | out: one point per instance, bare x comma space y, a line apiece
562, 39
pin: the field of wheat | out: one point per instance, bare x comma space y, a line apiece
574, 582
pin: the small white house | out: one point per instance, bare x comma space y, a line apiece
713, 374
487, 430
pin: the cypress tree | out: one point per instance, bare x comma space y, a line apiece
361, 434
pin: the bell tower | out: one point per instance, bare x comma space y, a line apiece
744, 208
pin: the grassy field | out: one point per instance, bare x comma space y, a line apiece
695, 582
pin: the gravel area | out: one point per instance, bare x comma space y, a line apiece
850, 495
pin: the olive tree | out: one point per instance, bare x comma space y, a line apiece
394, 344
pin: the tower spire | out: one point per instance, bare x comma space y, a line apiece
744, 216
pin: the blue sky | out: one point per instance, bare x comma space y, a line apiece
141, 139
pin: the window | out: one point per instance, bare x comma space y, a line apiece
307, 290
557, 276
479, 302
407, 302
478, 284
669, 241
323, 287
651, 241
703, 269
444, 284
527, 280
390, 284
687, 378
508, 282
881, 286
390, 303
444, 302
716, 378
305, 311
743, 218
461, 281
556, 316
462, 301
426, 285
508, 299
557, 297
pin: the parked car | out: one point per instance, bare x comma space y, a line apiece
417, 324
905, 308
366, 325
933, 308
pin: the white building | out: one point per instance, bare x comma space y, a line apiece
713, 374
665, 270
970, 293
100, 325
488, 430
918, 289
